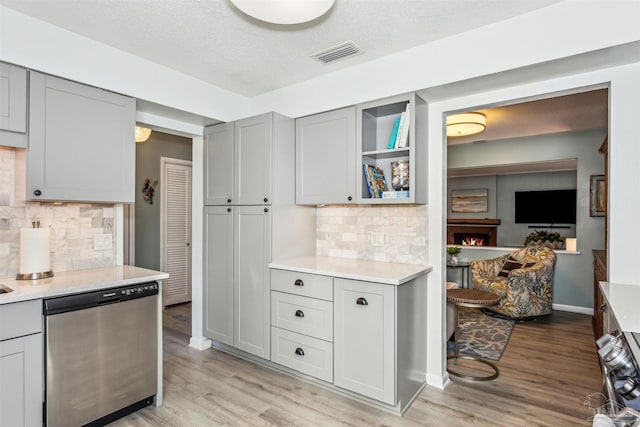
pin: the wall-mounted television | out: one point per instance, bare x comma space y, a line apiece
546, 207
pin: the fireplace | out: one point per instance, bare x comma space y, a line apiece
472, 232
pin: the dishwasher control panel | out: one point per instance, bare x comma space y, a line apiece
85, 300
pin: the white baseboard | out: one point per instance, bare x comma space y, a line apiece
438, 381
573, 309
200, 343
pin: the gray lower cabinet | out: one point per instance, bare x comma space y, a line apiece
326, 158
81, 143
21, 364
237, 293
13, 105
364, 339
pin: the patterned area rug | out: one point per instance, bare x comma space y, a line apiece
481, 335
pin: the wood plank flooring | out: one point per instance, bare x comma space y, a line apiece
546, 372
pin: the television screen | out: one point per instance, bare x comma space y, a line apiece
546, 207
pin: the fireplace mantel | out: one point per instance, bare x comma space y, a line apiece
473, 221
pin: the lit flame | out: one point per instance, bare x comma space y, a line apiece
473, 241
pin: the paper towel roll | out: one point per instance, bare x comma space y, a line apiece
35, 255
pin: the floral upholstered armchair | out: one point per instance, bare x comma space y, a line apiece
523, 279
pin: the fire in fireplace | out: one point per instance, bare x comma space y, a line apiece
471, 239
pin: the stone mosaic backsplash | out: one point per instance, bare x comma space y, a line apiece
73, 227
387, 234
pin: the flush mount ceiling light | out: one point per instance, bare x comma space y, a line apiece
284, 12
465, 124
142, 134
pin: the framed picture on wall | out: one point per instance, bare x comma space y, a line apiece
470, 201
598, 196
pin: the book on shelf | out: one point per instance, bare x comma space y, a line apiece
403, 133
376, 182
394, 134
367, 178
395, 142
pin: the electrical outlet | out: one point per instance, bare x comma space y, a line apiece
377, 239
102, 242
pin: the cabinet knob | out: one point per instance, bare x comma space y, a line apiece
299, 351
266, 199
349, 198
228, 200
266, 210
603, 308
361, 301
298, 282
228, 209
37, 193
188, 244
299, 313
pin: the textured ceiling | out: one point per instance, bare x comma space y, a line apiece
213, 41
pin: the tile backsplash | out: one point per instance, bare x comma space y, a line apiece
73, 226
388, 234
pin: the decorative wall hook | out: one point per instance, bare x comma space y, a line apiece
148, 189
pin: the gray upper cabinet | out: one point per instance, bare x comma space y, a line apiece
325, 158
238, 159
13, 106
81, 143
219, 164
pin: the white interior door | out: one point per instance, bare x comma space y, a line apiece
175, 239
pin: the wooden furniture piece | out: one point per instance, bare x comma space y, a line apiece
465, 274
599, 305
471, 298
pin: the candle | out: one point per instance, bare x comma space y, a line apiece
571, 244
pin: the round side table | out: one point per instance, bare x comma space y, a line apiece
473, 298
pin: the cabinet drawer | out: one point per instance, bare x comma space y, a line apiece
20, 318
304, 315
308, 355
305, 284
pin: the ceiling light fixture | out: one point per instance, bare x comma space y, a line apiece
142, 134
465, 124
284, 12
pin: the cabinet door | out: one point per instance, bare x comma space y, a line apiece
325, 157
21, 381
251, 292
364, 339
218, 164
218, 273
13, 106
81, 143
253, 140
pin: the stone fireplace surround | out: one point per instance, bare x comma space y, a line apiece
486, 228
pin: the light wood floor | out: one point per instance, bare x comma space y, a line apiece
547, 371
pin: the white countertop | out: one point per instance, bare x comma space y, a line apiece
73, 282
356, 269
623, 302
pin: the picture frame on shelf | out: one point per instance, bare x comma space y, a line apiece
470, 201
598, 196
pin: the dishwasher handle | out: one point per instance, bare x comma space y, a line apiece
81, 301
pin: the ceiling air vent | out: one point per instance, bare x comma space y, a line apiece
335, 53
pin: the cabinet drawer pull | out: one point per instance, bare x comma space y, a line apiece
299, 351
298, 282
361, 301
349, 198
299, 313
37, 193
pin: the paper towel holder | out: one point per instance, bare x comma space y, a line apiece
35, 223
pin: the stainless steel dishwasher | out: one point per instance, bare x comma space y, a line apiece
101, 354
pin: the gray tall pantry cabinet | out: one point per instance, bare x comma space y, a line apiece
250, 218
